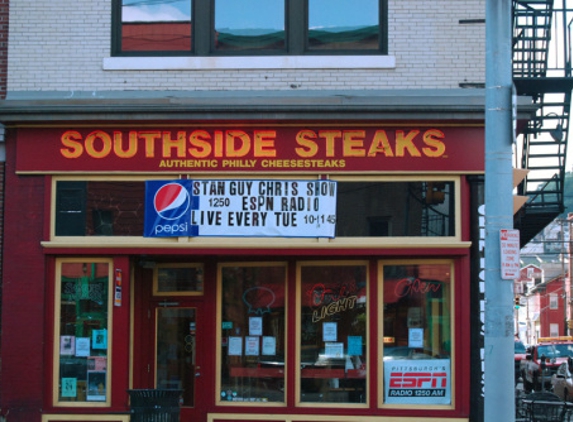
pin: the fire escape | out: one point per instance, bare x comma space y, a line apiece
542, 70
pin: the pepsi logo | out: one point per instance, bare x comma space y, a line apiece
171, 201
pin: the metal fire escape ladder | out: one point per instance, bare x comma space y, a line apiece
542, 70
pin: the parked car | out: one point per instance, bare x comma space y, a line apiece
548, 354
562, 381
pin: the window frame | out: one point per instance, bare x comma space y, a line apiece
254, 242
56, 402
202, 40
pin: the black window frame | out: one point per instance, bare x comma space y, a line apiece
203, 19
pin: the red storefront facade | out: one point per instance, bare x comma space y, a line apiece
370, 320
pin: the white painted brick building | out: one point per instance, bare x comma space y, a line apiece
59, 45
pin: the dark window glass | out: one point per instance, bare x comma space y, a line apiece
156, 25
364, 209
249, 25
341, 25
100, 208
396, 209
71, 209
176, 280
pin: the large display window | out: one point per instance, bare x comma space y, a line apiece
416, 340
82, 328
333, 337
252, 313
331, 361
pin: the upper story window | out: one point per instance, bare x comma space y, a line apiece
553, 301
241, 27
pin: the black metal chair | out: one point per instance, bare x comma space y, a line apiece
545, 407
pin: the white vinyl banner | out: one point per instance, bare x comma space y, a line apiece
262, 208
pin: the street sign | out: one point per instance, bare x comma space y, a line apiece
509, 249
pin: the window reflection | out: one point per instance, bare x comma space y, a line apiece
249, 24
343, 25
160, 25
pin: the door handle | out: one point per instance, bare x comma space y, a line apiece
197, 374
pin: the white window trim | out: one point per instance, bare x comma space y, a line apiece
249, 62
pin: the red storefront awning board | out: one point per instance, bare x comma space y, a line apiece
230, 147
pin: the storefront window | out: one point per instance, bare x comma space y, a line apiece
99, 208
395, 209
333, 333
363, 208
417, 333
252, 310
82, 331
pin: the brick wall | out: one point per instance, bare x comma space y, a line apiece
58, 45
23, 316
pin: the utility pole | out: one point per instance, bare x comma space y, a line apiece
564, 295
499, 402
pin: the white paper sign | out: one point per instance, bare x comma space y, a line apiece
256, 326
269, 346
281, 208
330, 331
252, 346
509, 248
235, 346
334, 350
415, 337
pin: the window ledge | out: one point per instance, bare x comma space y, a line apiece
246, 243
249, 63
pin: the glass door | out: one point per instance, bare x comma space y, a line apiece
170, 334
176, 351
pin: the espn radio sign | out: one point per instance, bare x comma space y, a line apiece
415, 382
